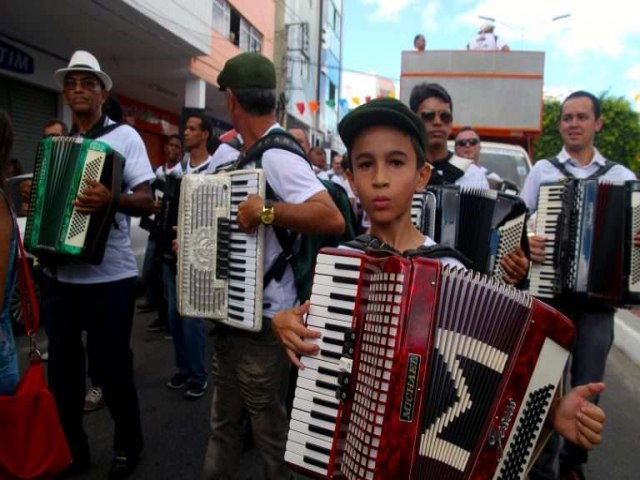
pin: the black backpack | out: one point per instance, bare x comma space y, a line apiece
303, 260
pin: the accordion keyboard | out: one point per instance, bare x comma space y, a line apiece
315, 414
219, 266
544, 280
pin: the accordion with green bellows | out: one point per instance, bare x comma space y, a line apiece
55, 229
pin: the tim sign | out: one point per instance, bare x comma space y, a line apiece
14, 59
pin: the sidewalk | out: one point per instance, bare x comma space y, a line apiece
627, 333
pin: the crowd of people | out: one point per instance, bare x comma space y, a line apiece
392, 151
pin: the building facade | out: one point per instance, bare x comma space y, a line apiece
163, 55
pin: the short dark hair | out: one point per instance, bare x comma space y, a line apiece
256, 101
595, 103
467, 128
418, 37
421, 92
57, 121
176, 136
206, 125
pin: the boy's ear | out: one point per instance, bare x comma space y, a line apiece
349, 174
424, 174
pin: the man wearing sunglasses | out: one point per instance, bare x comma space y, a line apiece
433, 104
467, 145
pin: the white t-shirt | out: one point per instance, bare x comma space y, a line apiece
224, 155
344, 183
162, 172
293, 181
486, 41
473, 175
119, 262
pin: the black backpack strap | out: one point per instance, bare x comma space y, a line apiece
282, 140
608, 165
277, 138
370, 244
561, 167
438, 252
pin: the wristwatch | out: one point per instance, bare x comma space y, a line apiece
268, 215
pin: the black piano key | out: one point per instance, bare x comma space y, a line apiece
315, 462
321, 431
323, 416
317, 448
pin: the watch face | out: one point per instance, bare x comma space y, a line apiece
267, 216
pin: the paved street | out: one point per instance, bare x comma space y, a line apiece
176, 429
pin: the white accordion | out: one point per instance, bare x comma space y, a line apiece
220, 268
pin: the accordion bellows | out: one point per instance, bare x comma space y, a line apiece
55, 229
220, 268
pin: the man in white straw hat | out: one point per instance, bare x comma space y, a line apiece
487, 40
98, 299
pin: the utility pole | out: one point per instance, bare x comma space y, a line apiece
281, 101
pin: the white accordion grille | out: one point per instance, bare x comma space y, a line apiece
219, 267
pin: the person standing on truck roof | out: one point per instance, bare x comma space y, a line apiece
419, 42
487, 40
433, 104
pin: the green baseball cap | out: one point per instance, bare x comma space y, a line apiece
247, 70
381, 111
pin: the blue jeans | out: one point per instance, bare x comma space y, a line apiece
187, 333
8, 358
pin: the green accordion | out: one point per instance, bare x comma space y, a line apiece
55, 229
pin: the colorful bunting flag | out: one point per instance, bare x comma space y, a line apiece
355, 100
300, 106
367, 99
313, 106
331, 103
392, 95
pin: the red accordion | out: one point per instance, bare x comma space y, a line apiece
424, 371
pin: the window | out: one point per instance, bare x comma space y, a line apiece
221, 17
255, 41
242, 34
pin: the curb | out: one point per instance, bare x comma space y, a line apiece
626, 337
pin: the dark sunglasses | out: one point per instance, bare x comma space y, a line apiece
88, 83
445, 116
468, 142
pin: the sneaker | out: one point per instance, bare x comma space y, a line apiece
195, 390
94, 399
123, 466
177, 381
156, 326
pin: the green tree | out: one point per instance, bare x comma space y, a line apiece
619, 139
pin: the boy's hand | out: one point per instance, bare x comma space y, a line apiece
249, 213
577, 419
290, 330
516, 266
536, 248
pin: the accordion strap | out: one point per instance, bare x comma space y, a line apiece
30, 309
608, 165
